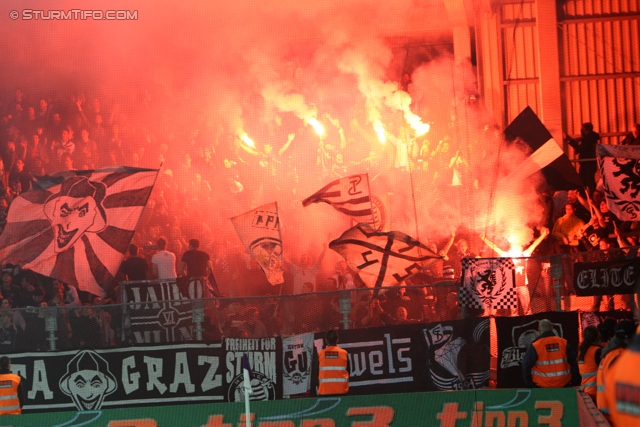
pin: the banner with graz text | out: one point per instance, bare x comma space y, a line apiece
90, 380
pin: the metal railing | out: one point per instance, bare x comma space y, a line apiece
152, 321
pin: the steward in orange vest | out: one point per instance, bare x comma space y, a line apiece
587, 360
550, 362
333, 372
625, 330
622, 387
12, 395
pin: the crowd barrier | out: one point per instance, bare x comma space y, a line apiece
155, 312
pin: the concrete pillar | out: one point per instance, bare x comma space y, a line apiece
550, 111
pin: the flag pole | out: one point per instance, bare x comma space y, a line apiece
415, 210
246, 374
247, 408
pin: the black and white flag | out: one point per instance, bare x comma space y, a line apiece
382, 259
620, 169
349, 195
544, 154
259, 230
488, 283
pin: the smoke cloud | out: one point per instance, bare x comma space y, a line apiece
268, 69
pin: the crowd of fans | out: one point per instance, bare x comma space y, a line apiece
40, 135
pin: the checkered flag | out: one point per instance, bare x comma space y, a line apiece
488, 283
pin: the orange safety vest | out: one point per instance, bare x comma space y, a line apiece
603, 371
622, 391
552, 369
333, 377
623, 387
589, 372
9, 401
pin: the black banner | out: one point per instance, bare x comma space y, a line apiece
515, 334
152, 319
417, 357
605, 278
90, 380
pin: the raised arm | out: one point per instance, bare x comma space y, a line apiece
447, 247
287, 144
493, 246
544, 232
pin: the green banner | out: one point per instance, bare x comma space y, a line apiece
472, 408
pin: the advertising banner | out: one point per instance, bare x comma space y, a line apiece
471, 408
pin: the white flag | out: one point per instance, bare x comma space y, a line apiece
259, 230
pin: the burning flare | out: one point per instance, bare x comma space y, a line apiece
245, 138
416, 123
379, 128
316, 125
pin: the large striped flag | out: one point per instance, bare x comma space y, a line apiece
259, 230
76, 226
382, 259
349, 195
620, 170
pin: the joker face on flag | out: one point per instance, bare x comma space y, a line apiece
620, 170
382, 259
76, 226
259, 230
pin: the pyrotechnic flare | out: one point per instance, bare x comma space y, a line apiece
416, 123
379, 128
317, 126
245, 138
401, 100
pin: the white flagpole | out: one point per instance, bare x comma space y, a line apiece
247, 389
247, 408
